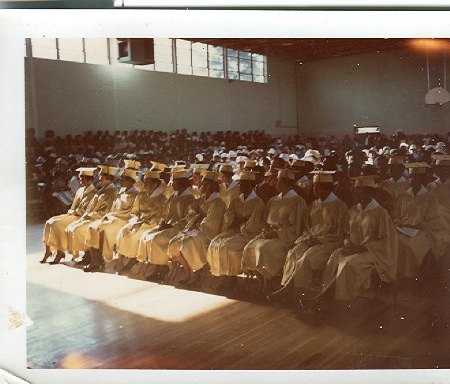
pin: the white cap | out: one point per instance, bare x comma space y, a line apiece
86, 171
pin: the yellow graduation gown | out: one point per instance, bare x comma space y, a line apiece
147, 211
153, 244
54, 230
373, 228
225, 250
230, 193
326, 222
394, 188
205, 220
420, 210
442, 193
287, 216
111, 223
99, 206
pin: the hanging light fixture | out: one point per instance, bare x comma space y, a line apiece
437, 95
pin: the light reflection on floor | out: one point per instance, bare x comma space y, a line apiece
160, 302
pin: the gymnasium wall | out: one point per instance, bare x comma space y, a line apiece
386, 89
71, 98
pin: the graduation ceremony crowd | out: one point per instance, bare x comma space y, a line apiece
313, 219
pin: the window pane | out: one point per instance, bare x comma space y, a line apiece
199, 47
199, 59
216, 74
96, 59
258, 57
184, 69
258, 68
233, 75
259, 79
183, 56
96, 51
44, 48
245, 55
246, 77
163, 41
233, 64
183, 44
216, 64
232, 53
163, 67
245, 66
215, 50
96, 46
200, 71
71, 50
163, 54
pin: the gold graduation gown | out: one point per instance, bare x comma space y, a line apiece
225, 250
153, 244
99, 206
326, 221
420, 210
442, 193
287, 216
230, 193
205, 220
147, 210
373, 228
54, 230
394, 188
111, 223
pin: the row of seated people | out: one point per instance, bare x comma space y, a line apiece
233, 230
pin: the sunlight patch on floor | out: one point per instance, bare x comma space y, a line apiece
160, 302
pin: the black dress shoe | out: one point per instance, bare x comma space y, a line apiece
85, 260
59, 255
94, 268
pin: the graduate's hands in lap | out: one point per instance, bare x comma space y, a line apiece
352, 249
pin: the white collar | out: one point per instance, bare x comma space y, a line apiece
291, 193
331, 197
232, 185
249, 197
155, 193
102, 189
400, 180
372, 205
215, 195
420, 193
186, 192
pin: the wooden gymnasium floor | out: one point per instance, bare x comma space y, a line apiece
103, 320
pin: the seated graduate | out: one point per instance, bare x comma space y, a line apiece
146, 214
417, 222
440, 188
243, 221
370, 246
102, 233
285, 220
204, 222
99, 206
397, 183
154, 243
55, 237
228, 188
323, 234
